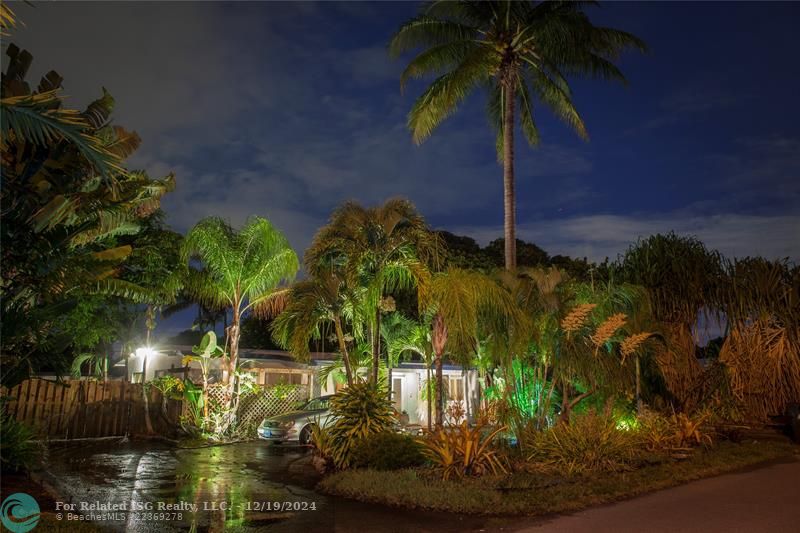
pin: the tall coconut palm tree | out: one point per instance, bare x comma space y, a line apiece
518, 51
382, 249
239, 270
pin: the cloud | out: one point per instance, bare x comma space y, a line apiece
599, 236
691, 101
763, 172
277, 110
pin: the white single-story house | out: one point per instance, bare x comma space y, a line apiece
270, 367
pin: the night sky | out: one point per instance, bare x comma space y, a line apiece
287, 110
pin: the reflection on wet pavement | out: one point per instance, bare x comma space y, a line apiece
239, 487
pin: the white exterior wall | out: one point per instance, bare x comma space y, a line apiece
155, 362
413, 384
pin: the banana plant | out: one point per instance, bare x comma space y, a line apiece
203, 354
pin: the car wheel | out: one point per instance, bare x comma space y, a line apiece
305, 434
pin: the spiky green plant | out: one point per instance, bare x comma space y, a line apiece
17, 449
464, 450
519, 51
360, 410
587, 443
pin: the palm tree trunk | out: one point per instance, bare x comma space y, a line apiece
233, 362
509, 200
233, 358
205, 396
389, 379
428, 385
439, 392
376, 345
343, 348
147, 422
439, 341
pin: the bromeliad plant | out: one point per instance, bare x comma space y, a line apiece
463, 450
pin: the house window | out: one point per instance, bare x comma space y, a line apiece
454, 387
273, 378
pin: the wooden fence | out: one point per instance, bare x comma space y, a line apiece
88, 408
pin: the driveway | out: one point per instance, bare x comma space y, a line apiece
262, 487
252, 478
766, 499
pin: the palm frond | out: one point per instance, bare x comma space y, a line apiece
428, 31
444, 95
38, 119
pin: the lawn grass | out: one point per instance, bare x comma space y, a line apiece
537, 493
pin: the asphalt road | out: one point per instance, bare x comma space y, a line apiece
762, 500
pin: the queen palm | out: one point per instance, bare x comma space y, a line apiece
239, 270
517, 51
381, 249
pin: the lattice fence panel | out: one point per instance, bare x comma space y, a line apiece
254, 407
273, 401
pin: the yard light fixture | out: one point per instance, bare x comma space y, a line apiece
145, 352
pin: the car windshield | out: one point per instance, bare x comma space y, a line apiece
316, 404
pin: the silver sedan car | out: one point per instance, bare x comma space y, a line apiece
296, 426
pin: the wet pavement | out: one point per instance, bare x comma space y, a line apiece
150, 486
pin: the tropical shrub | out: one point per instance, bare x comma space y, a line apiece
387, 451
688, 431
17, 449
194, 420
169, 386
247, 383
661, 433
323, 447
360, 410
763, 362
587, 443
462, 450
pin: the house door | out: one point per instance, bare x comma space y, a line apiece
397, 393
